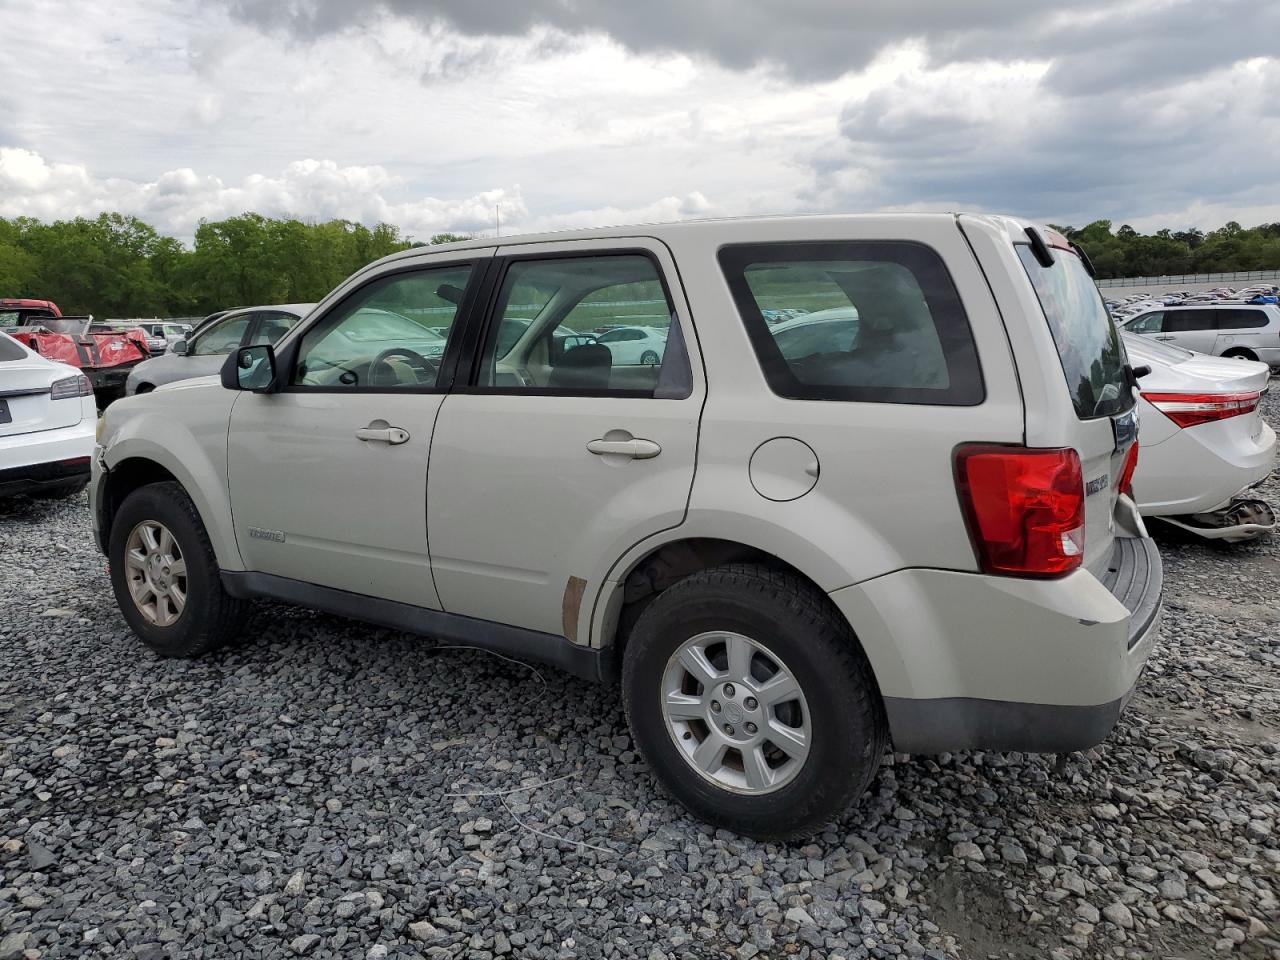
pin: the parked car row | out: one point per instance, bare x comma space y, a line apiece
878, 479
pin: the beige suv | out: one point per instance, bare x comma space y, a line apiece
865, 482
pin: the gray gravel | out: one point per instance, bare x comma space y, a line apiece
332, 790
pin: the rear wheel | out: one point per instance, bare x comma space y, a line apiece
748, 694
144, 388
649, 358
165, 576
1240, 353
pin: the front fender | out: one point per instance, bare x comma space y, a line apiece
185, 432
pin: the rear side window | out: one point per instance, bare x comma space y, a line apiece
874, 321
1088, 345
1241, 319
9, 349
1188, 321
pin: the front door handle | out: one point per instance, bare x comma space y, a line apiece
1164, 338
632, 447
383, 432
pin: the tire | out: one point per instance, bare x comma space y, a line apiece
209, 616
796, 627
143, 388
1241, 354
62, 490
649, 359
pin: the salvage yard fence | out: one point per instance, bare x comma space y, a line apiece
1178, 279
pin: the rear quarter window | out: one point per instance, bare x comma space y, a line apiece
872, 321
1240, 319
9, 349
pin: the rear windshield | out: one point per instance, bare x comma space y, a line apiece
1088, 344
9, 349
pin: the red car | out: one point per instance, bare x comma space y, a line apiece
105, 356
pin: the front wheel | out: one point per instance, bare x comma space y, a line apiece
165, 575
751, 699
649, 358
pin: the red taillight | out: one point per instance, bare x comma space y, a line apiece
1190, 409
71, 387
1024, 508
1125, 483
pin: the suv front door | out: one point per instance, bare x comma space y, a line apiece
328, 476
554, 458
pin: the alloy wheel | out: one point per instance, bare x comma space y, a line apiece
156, 573
736, 712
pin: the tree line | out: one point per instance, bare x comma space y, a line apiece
119, 266
1127, 253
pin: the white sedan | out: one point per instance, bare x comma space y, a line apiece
635, 345
1202, 441
48, 420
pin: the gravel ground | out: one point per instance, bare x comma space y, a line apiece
332, 790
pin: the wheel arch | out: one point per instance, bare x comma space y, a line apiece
639, 578
136, 463
1243, 352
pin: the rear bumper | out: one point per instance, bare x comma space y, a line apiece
1201, 469
966, 661
30, 462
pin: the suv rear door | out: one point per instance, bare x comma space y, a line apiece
548, 463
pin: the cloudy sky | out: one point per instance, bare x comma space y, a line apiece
431, 113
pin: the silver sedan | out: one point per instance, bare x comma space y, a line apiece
203, 354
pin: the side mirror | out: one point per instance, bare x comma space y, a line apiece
179, 348
1141, 371
250, 368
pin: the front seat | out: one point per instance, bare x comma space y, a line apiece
585, 367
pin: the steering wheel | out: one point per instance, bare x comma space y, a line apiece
429, 367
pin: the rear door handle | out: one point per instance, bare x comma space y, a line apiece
1164, 338
635, 448
380, 431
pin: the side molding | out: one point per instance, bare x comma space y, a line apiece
511, 641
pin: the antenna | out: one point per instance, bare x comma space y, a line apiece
497, 221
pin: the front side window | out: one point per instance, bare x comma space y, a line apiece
389, 334
874, 321
221, 337
1093, 359
595, 324
1147, 323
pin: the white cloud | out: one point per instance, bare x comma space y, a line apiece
307, 189
176, 109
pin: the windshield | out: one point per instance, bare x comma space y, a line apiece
1088, 345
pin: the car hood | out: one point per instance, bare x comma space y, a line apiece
191, 382
172, 366
1196, 372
